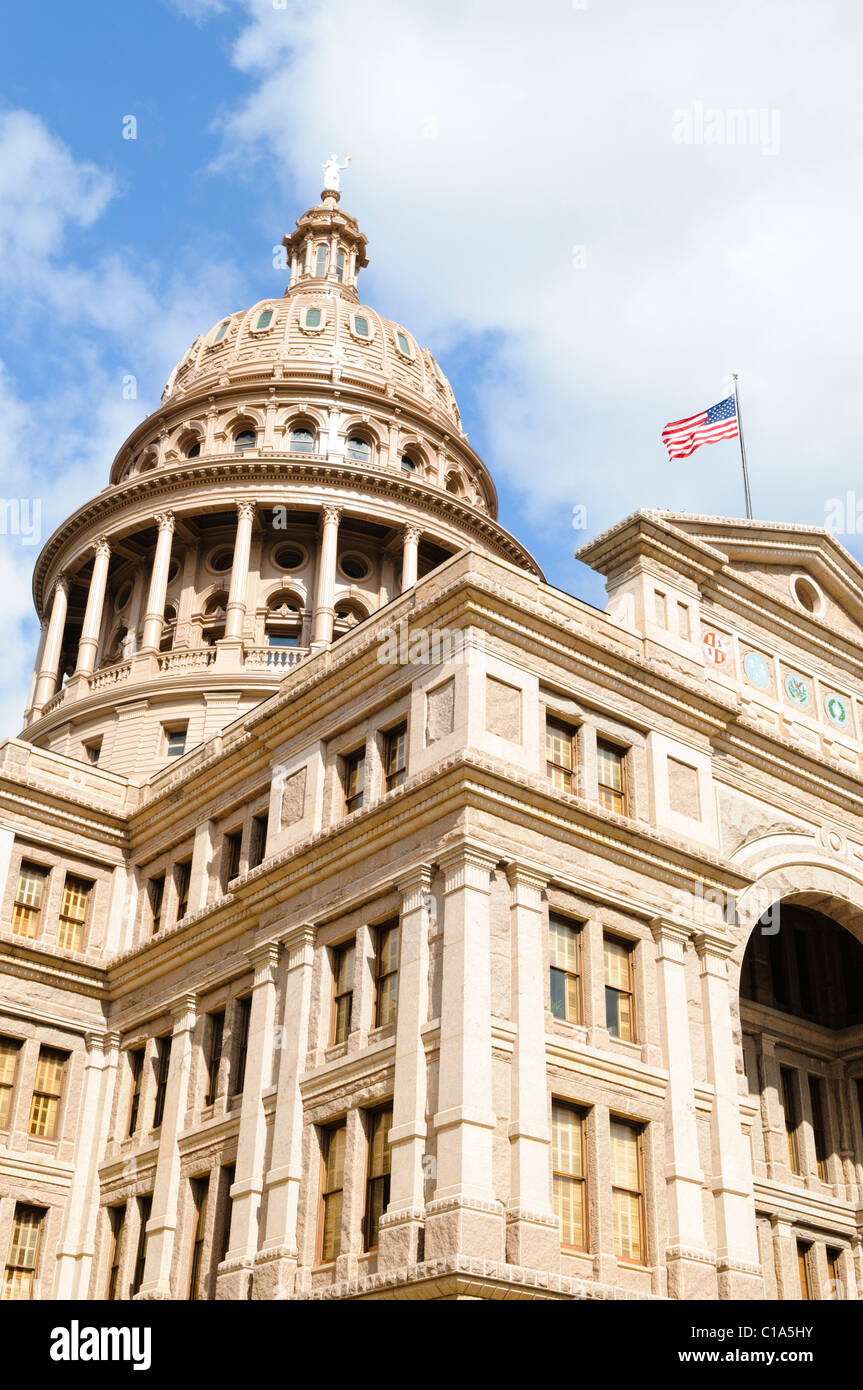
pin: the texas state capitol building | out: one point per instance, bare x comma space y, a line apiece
380, 922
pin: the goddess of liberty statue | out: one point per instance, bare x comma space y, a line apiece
332, 171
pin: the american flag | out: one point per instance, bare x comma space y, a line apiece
682, 437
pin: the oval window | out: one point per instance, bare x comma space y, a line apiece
222, 559
807, 595
354, 566
123, 596
289, 557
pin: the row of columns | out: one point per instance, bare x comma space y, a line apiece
46, 674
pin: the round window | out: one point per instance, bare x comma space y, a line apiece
289, 557
173, 570
354, 566
124, 593
806, 594
221, 559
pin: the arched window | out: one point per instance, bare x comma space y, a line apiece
320, 262
347, 615
222, 330
340, 266
404, 345
193, 450
408, 465
359, 449
245, 439
284, 620
302, 441
169, 627
454, 484
213, 627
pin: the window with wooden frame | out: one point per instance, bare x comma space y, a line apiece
386, 973
200, 1192
145, 1207
564, 954
231, 849
22, 1260
175, 742
182, 881
163, 1063
354, 780
627, 1191
569, 1165
258, 843
116, 1222
10, 1051
136, 1076
215, 1036
332, 1184
156, 897
611, 776
560, 754
804, 1257
47, 1093
242, 1019
222, 1239
791, 1113
819, 1131
619, 993
395, 751
378, 1174
835, 1286
74, 909
29, 896
343, 991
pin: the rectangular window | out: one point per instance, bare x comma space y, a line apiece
223, 1240
627, 1194
332, 1183
182, 879
231, 848
156, 896
136, 1074
378, 1180
660, 608
611, 776
29, 895
21, 1262
145, 1206
819, 1133
619, 1000
117, 1220
804, 1253
792, 1118
243, 1018
395, 757
47, 1093
9, 1053
568, 1148
163, 1062
258, 846
215, 1035
175, 742
564, 950
343, 990
683, 621
386, 973
73, 913
835, 1287
93, 751
354, 780
200, 1190
560, 755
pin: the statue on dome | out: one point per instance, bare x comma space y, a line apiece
332, 170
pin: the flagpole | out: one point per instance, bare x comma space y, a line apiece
742, 450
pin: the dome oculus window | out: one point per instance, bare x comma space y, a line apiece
289, 557
312, 318
354, 567
244, 439
806, 594
403, 344
361, 326
302, 441
359, 449
221, 331
221, 559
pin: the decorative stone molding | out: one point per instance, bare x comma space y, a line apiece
264, 960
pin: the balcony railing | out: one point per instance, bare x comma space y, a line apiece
275, 658
187, 659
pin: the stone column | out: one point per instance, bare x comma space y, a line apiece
691, 1268
37, 666
738, 1263
465, 1216
785, 1259
89, 640
155, 615
401, 1225
276, 1265
235, 1273
411, 537
236, 609
532, 1229
162, 1226
326, 579
77, 1246
46, 686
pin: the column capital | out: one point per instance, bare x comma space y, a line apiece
671, 939
522, 877
414, 886
467, 866
184, 1012
164, 520
61, 584
412, 533
102, 547
299, 945
714, 952
263, 960
246, 508
331, 514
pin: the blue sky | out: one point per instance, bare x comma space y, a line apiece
583, 272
